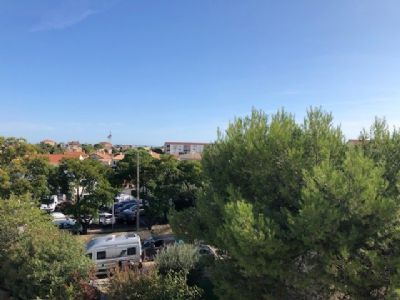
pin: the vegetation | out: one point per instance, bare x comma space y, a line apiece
297, 212
166, 182
300, 213
167, 281
178, 257
151, 285
86, 184
38, 260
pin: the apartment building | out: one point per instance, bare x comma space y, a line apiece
176, 148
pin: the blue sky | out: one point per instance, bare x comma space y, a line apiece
152, 71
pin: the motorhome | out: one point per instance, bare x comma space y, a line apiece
113, 250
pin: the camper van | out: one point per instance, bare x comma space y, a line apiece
114, 250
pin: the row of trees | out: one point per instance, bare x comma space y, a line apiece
90, 185
165, 182
300, 213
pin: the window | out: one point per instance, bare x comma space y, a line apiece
101, 255
132, 251
123, 253
89, 255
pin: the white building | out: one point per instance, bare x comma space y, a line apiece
176, 148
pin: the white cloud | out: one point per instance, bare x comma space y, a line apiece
63, 14
61, 22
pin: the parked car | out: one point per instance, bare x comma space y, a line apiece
154, 244
129, 214
58, 215
119, 213
206, 250
121, 206
49, 204
104, 218
69, 224
124, 197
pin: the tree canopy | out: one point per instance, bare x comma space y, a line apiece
37, 259
300, 213
86, 183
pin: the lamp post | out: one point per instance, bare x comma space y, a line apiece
137, 192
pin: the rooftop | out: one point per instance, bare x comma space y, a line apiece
112, 239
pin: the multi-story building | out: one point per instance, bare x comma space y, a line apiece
74, 146
48, 142
177, 148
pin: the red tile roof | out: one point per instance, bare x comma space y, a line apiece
55, 159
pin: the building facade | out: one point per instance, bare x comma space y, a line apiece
178, 148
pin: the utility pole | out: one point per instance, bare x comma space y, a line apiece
137, 192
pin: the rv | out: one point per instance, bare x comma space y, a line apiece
114, 250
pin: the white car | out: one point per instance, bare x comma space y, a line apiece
50, 204
106, 219
65, 223
58, 216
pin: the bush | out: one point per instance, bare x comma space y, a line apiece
151, 285
36, 259
178, 257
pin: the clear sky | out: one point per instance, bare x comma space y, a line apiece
152, 71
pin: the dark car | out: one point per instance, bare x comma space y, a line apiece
154, 244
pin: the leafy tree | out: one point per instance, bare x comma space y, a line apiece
36, 259
88, 187
49, 149
125, 173
88, 148
174, 187
383, 147
13, 148
166, 182
26, 175
349, 251
298, 213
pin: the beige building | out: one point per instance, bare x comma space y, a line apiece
178, 148
48, 142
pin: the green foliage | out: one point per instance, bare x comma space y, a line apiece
26, 175
36, 259
151, 285
21, 170
49, 149
177, 257
87, 185
166, 182
88, 148
299, 213
13, 148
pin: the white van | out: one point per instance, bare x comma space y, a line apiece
113, 250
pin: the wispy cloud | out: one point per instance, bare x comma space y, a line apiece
61, 15
61, 22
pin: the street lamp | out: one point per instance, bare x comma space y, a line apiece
137, 192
